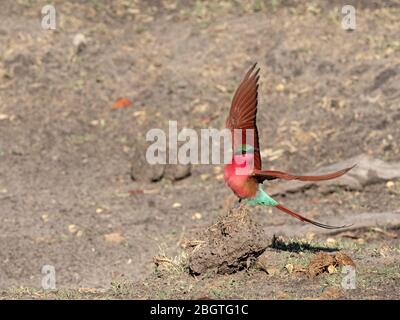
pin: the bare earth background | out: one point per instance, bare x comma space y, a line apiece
66, 194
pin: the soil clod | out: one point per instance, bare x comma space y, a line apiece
230, 245
323, 262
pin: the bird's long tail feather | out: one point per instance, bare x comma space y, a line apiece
304, 219
271, 174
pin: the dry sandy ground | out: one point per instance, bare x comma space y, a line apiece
65, 156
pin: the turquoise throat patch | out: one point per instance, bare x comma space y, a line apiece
261, 198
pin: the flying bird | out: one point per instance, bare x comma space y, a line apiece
244, 175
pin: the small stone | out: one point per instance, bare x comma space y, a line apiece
201, 108
79, 42
221, 88
126, 149
178, 171
3, 116
99, 210
197, 216
390, 184
72, 228
280, 87
176, 205
115, 238
330, 241
219, 177
79, 233
360, 241
45, 217
217, 170
139, 113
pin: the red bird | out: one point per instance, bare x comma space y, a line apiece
244, 175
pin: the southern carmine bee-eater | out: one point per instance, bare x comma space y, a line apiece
244, 175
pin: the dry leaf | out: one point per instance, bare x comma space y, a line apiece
121, 103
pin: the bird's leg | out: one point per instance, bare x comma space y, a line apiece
238, 204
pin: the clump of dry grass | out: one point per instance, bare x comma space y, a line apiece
121, 286
176, 264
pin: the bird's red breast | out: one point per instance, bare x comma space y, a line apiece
238, 177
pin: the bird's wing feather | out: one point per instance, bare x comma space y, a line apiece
242, 114
262, 175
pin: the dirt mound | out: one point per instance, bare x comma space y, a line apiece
324, 262
230, 245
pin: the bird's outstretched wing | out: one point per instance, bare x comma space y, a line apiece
304, 219
262, 175
242, 114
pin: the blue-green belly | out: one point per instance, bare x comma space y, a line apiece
261, 198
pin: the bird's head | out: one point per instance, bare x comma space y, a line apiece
243, 158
